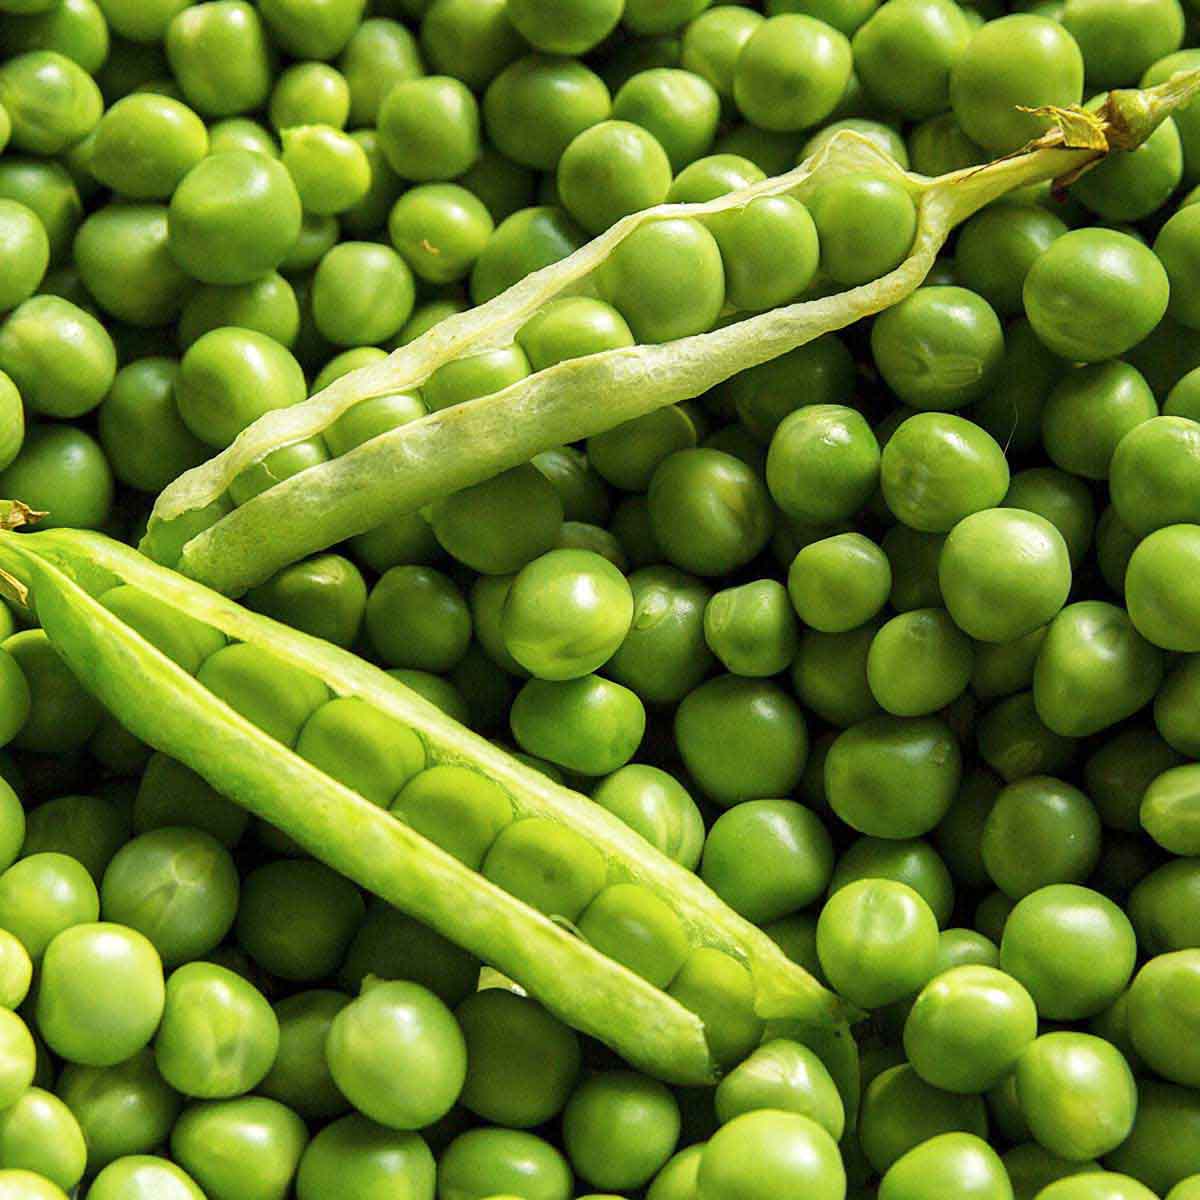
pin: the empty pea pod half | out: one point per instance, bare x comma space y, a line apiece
366, 775
663, 306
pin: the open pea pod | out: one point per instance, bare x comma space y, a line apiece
111, 639
196, 528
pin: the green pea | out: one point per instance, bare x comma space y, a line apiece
950, 1163
62, 716
666, 278
583, 492
1161, 592
838, 583
481, 1160
1015, 744
16, 971
392, 1033
523, 243
87, 828
679, 108
1072, 948
218, 1036
310, 93
547, 866
1162, 1015
784, 1076
711, 177
123, 1110
457, 809
791, 73
1074, 695
275, 467
1167, 811
537, 105
865, 224
1018, 584
299, 1076
440, 229
170, 794
475, 375
1133, 184
996, 248
145, 144
1094, 294
416, 617
44, 894
634, 927
358, 1155
791, 851
829, 674
893, 776
566, 614
901, 1112
919, 662
60, 357
324, 596
522, 1063
241, 133
330, 169
1062, 1071
619, 1129
221, 58
767, 756
362, 294
877, 941
143, 1174
628, 455
391, 945
100, 995
429, 128
39, 1134
178, 887
51, 101
213, 1141
757, 1153
752, 628
17, 1058
1151, 477
720, 991
610, 170
712, 43
937, 469
658, 807
247, 231
26, 253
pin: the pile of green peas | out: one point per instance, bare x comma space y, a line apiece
892, 640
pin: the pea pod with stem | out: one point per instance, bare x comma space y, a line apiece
194, 527
62, 574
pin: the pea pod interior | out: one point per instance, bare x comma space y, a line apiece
196, 527
499, 859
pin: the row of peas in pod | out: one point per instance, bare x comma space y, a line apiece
668, 612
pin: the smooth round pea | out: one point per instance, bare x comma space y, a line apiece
357, 1155
996, 247
784, 1076
919, 662
1094, 294
1153, 475
1071, 947
634, 927
26, 251
1162, 594
526, 241
940, 348
838, 583
380, 1040
101, 993
791, 853
178, 887
666, 278
16, 970
766, 756
1059, 1073
1003, 573
233, 218
829, 674
221, 57
1019, 60
877, 941
1132, 185
755, 279
456, 808
145, 144
611, 170
968, 1027
893, 777
479, 1161
547, 866
299, 1077
331, 170
619, 1129
214, 1139
757, 1153
416, 617
865, 225
959, 1164
18, 1058
713, 176
138, 1175
657, 806
362, 294
39, 1134
823, 463
575, 327
44, 894
752, 628
937, 468
1163, 1015
429, 128
791, 73
720, 991
440, 230
566, 613
51, 101
218, 1036
901, 1112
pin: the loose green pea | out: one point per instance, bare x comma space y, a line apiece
610, 170
757, 1153
17, 1058
39, 1134
310, 93
786, 1076
213, 1140
877, 941
330, 169
44, 894
1072, 948
996, 247
752, 628
145, 144
658, 807
26, 250
62, 716
959, 1164
919, 662
429, 128
522, 243
1153, 474
839, 583
16, 970
829, 674
1163, 1014
481, 1160
299, 1076
221, 57
51, 101
357, 1155
1161, 590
